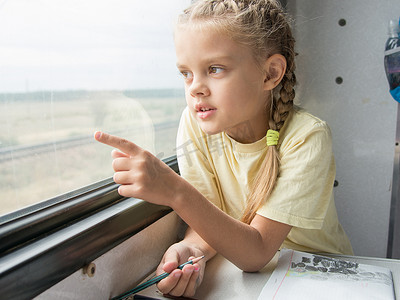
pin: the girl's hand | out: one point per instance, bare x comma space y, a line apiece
141, 174
181, 282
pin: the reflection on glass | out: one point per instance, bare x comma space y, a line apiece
69, 68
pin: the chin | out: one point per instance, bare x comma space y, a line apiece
210, 131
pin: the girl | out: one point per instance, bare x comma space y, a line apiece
256, 173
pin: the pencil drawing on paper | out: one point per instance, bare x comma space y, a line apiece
323, 268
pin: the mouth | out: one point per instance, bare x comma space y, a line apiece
204, 112
205, 109
201, 108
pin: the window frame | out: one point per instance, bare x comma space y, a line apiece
45, 243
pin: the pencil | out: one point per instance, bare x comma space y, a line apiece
154, 280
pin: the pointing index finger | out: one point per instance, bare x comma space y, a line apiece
117, 142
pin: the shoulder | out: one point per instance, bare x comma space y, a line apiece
304, 128
189, 123
300, 123
191, 138
301, 120
188, 127
185, 117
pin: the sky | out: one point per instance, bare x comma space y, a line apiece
87, 44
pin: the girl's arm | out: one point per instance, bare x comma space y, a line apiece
144, 176
250, 247
192, 238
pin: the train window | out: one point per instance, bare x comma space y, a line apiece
68, 68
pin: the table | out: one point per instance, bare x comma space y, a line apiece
223, 280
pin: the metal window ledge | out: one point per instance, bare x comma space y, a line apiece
42, 248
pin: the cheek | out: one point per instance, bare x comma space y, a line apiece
230, 89
188, 98
238, 94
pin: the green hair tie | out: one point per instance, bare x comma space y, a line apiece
272, 137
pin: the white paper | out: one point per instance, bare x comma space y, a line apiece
301, 275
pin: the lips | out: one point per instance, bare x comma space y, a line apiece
203, 108
204, 111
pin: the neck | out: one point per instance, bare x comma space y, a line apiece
247, 132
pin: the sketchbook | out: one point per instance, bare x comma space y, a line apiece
301, 275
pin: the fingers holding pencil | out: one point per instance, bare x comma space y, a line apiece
181, 283
156, 279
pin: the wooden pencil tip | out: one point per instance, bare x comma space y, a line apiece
195, 260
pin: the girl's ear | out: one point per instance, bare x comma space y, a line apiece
274, 68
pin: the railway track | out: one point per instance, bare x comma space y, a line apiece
17, 152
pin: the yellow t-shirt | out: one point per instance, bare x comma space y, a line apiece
222, 170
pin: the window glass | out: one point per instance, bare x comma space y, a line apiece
69, 68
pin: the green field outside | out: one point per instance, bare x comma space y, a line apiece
56, 119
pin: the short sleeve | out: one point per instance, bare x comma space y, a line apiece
303, 190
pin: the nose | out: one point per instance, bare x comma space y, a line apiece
199, 87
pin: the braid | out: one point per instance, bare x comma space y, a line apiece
280, 107
263, 26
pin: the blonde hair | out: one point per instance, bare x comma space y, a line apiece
263, 26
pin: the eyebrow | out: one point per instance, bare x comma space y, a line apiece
210, 60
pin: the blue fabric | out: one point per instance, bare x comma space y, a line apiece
396, 94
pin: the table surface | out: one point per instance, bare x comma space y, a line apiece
223, 280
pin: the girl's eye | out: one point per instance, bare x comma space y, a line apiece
216, 70
186, 74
